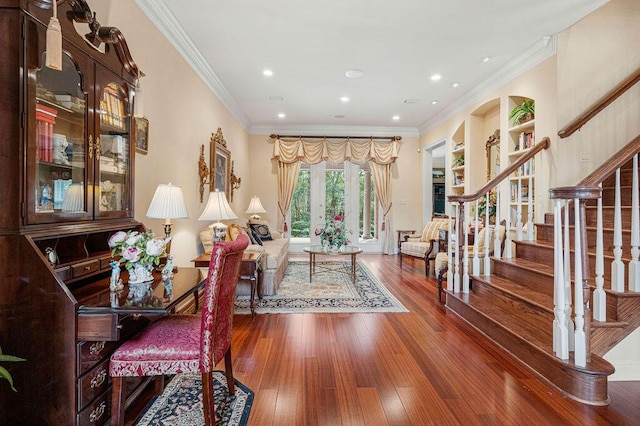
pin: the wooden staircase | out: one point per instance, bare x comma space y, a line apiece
514, 306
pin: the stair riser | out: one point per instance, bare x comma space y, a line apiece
588, 388
626, 309
525, 277
545, 233
591, 217
508, 303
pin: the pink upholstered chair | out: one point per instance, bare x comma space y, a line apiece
178, 344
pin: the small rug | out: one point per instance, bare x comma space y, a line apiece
329, 292
181, 403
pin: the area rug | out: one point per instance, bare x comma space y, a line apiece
329, 292
181, 403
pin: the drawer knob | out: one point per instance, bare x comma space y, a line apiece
87, 268
96, 348
98, 412
98, 379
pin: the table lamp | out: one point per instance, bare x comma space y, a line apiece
167, 203
255, 207
217, 209
74, 198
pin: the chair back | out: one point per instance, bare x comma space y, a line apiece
217, 306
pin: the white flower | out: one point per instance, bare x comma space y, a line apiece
117, 238
155, 247
134, 237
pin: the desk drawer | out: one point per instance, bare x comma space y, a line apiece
98, 412
92, 352
92, 384
85, 268
98, 327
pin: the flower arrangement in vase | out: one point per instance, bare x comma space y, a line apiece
139, 252
334, 234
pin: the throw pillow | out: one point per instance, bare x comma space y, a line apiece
256, 236
233, 231
262, 231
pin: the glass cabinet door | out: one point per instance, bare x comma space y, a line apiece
58, 183
113, 149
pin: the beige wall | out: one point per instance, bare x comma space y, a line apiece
182, 114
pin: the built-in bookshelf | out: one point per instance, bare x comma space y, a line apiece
458, 161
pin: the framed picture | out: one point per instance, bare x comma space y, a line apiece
141, 135
220, 164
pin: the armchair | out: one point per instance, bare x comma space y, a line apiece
424, 245
179, 344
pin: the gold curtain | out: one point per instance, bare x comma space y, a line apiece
380, 154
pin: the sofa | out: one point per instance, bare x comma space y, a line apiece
425, 245
274, 262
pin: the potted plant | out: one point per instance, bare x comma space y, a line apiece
523, 112
458, 161
4, 373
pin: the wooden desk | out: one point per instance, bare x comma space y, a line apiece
250, 269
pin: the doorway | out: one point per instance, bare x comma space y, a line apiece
434, 172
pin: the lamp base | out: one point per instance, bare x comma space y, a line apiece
255, 216
218, 232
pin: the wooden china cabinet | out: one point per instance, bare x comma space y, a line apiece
66, 166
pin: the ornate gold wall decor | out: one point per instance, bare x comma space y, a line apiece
235, 181
203, 172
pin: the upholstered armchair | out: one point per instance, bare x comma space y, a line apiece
179, 344
425, 245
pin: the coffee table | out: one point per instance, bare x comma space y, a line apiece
343, 251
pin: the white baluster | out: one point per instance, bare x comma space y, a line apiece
617, 267
497, 249
567, 275
519, 211
465, 258
560, 335
476, 259
487, 233
634, 265
530, 204
456, 261
507, 229
578, 306
450, 243
599, 296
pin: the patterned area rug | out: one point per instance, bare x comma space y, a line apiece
330, 292
181, 403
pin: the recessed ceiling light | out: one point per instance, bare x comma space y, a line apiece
354, 73
436, 77
281, 115
486, 59
433, 102
395, 117
455, 84
344, 98
411, 101
339, 116
267, 73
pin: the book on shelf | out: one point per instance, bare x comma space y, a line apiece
45, 119
526, 140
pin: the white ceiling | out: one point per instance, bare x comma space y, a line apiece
310, 45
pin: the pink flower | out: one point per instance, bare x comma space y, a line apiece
132, 254
337, 217
117, 238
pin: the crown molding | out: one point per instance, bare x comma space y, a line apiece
405, 132
536, 53
161, 16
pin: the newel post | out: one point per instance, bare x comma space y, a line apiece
582, 291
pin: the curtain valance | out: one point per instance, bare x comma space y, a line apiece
355, 151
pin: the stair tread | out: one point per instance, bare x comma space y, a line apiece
526, 294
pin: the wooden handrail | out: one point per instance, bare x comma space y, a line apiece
614, 94
543, 144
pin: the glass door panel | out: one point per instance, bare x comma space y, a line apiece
113, 152
59, 141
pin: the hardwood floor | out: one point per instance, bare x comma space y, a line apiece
425, 367
418, 368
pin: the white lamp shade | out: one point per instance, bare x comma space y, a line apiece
74, 198
255, 206
217, 208
168, 203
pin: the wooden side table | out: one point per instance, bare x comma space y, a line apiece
251, 269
